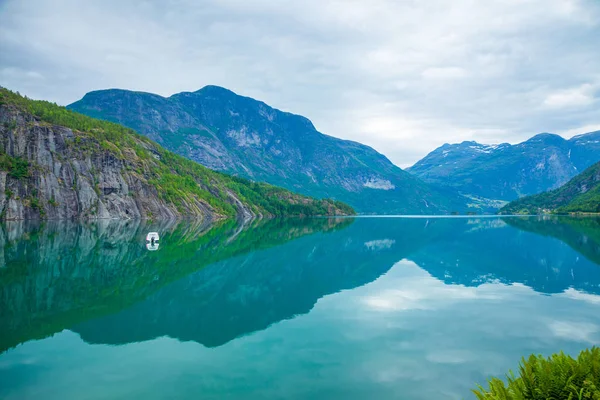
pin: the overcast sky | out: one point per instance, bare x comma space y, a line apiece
401, 76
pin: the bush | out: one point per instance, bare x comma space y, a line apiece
17, 167
557, 377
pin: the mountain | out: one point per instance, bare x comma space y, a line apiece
57, 164
245, 137
580, 194
506, 172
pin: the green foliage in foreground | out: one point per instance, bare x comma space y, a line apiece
176, 179
557, 377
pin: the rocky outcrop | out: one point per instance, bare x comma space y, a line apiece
65, 182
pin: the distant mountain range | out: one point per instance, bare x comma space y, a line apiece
580, 194
507, 172
245, 137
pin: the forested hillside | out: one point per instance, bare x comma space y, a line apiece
580, 195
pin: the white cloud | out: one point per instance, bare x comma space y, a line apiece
577, 331
444, 73
581, 296
575, 97
403, 77
418, 290
568, 133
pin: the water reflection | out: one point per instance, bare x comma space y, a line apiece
548, 254
365, 308
214, 284
56, 274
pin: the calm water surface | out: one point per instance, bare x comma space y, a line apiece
419, 308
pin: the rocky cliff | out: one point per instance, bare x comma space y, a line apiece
64, 182
102, 170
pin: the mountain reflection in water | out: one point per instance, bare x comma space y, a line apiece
212, 284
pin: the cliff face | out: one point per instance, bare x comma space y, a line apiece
63, 181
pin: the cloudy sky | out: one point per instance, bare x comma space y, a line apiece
401, 76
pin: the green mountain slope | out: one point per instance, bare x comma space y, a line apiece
55, 163
245, 137
507, 172
580, 194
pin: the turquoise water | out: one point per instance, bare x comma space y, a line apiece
409, 308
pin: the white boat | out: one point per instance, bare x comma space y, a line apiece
152, 237
152, 246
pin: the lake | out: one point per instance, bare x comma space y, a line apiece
355, 308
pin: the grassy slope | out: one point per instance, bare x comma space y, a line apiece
176, 179
580, 194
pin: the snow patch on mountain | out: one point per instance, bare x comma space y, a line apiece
377, 183
486, 148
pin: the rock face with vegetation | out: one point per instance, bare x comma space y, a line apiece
244, 137
57, 164
507, 172
580, 195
